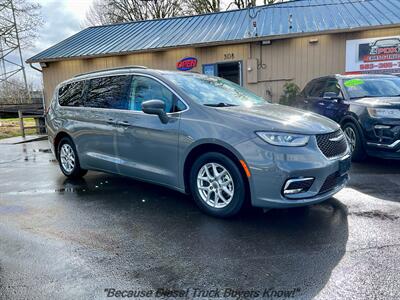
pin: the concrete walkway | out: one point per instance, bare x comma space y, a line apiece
21, 140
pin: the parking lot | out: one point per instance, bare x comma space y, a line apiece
64, 239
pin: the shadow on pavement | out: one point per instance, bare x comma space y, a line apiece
377, 177
159, 238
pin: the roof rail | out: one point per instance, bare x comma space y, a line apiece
111, 69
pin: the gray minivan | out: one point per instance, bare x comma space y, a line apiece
196, 134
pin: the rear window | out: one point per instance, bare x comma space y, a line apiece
108, 92
71, 94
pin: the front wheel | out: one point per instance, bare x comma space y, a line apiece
354, 138
68, 159
217, 185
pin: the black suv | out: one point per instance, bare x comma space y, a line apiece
366, 106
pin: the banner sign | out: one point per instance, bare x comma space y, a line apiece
186, 64
377, 55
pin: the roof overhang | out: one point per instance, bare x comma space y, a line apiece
217, 43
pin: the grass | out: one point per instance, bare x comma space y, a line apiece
10, 127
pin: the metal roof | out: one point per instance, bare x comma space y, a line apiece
277, 20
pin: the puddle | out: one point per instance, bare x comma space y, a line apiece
12, 209
375, 214
48, 191
42, 150
70, 187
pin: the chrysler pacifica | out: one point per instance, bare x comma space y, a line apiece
197, 134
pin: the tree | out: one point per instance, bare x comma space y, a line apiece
240, 4
115, 11
290, 92
244, 3
203, 6
104, 12
15, 93
28, 17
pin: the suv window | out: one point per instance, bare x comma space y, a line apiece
145, 88
307, 89
108, 92
71, 94
318, 87
333, 87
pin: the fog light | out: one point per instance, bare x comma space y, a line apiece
297, 185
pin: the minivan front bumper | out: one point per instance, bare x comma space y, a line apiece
271, 168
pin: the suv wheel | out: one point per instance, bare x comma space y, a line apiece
217, 185
354, 138
68, 159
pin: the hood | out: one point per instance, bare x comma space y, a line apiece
275, 117
387, 102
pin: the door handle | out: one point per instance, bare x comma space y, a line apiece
123, 123
111, 122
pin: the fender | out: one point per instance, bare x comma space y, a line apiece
353, 118
205, 142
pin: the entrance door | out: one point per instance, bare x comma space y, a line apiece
230, 70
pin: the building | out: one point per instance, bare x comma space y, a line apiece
261, 48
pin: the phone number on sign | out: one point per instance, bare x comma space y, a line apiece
385, 65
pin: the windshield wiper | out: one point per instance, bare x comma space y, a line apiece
393, 96
374, 96
366, 96
221, 104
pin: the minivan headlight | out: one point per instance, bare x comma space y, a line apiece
284, 139
384, 113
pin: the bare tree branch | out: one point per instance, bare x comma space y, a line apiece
28, 17
115, 11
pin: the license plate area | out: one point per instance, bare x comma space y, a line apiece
344, 165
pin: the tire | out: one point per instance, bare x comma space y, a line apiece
70, 167
230, 187
355, 140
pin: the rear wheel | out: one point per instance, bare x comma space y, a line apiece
354, 138
217, 185
68, 159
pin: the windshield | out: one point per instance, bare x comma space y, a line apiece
372, 87
214, 91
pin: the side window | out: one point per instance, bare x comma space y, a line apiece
179, 106
144, 88
307, 89
108, 92
317, 89
333, 87
71, 94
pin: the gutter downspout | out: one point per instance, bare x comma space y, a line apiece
41, 71
37, 69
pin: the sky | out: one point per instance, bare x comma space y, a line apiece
62, 18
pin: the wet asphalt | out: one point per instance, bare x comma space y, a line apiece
64, 239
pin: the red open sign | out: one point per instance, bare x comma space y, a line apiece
186, 63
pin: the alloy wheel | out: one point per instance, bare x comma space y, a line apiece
351, 138
67, 157
215, 185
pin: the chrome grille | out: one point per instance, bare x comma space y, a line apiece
332, 144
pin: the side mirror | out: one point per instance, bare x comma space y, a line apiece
331, 96
155, 107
